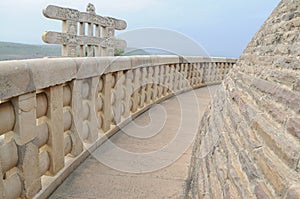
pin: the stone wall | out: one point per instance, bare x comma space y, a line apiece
249, 143
54, 112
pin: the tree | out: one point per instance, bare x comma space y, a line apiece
119, 52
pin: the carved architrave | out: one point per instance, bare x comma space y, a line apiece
69, 38
60, 13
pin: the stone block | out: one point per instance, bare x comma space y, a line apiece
49, 72
118, 64
293, 127
262, 192
91, 67
56, 128
293, 193
141, 61
7, 117
25, 112
29, 167
19, 77
280, 144
164, 59
107, 109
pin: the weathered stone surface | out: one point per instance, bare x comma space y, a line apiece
60, 13
20, 77
52, 115
29, 166
261, 191
25, 125
293, 127
260, 115
293, 193
56, 131
7, 116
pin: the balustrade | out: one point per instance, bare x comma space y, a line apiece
49, 125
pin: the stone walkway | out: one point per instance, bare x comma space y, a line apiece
148, 158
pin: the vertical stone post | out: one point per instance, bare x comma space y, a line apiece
108, 34
149, 84
118, 96
155, 84
171, 79
143, 87
166, 79
24, 135
107, 109
128, 93
76, 110
70, 49
82, 32
136, 88
97, 48
56, 128
90, 48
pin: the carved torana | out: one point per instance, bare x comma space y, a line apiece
92, 44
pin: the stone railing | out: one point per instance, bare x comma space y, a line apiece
54, 112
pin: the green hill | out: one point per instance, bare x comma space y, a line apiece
13, 51
16, 51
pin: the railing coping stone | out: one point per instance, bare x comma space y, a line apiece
23, 76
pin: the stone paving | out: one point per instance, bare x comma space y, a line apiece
109, 174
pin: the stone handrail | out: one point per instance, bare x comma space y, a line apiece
54, 112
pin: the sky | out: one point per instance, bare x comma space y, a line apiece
222, 28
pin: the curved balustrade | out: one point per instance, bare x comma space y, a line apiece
54, 112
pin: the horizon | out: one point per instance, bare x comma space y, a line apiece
221, 28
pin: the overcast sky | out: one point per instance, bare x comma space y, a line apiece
223, 28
